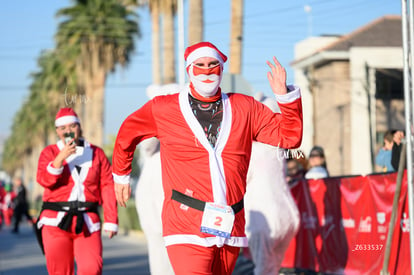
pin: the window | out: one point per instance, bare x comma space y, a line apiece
389, 84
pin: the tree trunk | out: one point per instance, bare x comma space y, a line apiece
93, 80
93, 124
195, 22
236, 36
156, 62
169, 46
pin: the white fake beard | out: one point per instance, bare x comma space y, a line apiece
205, 89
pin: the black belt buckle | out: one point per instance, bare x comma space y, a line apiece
199, 204
76, 205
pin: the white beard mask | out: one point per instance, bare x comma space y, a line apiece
205, 81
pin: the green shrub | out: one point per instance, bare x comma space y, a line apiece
128, 217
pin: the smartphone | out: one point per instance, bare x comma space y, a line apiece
69, 137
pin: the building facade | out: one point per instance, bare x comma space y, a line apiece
352, 93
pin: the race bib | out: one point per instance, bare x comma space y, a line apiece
217, 220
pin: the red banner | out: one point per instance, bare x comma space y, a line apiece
344, 225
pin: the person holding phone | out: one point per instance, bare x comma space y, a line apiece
77, 181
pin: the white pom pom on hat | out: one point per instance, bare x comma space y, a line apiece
66, 116
203, 49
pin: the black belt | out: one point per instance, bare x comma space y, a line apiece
199, 204
73, 208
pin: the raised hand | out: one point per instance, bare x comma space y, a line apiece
277, 77
68, 149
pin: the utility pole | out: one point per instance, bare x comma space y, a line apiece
407, 19
308, 10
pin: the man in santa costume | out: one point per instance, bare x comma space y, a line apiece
77, 180
8, 203
205, 139
2, 202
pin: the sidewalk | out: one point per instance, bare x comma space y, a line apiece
21, 255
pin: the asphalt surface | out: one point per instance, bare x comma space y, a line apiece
122, 255
21, 255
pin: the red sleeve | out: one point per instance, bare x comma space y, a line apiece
107, 189
47, 175
282, 129
136, 127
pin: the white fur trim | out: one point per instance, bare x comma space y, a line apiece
54, 171
292, 95
218, 177
49, 221
203, 52
206, 242
110, 227
121, 179
92, 227
66, 120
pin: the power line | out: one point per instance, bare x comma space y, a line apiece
122, 86
328, 12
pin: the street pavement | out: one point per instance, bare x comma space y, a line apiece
125, 254
21, 255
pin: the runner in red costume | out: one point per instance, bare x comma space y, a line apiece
8, 204
2, 202
77, 180
205, 144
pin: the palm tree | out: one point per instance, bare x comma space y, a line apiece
33, 124
195, 22
236, 36
100, 35
34, 121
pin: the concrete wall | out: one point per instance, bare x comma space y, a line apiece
307, 108
310, 45
303, 49
332, 115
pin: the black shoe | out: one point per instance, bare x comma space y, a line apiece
14, 231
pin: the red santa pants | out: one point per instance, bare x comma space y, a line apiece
63, 247
194, 259
8, 214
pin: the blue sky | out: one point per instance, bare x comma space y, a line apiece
271, 28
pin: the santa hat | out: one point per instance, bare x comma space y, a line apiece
66, 116
203, 49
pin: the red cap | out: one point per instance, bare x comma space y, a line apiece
203, 49
65, 116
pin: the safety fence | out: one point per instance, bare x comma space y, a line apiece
344, 225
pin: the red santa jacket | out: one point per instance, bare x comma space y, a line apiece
192, 166
3, 194
93, 183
